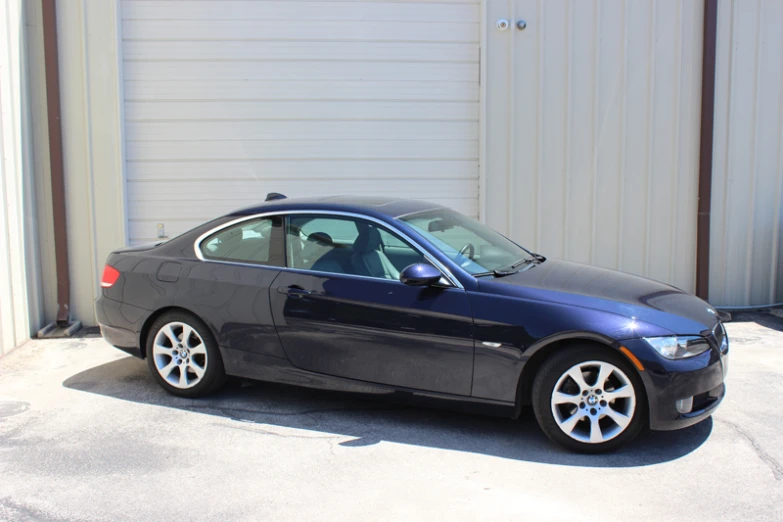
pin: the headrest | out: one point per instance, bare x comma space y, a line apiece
322, 238
369, 238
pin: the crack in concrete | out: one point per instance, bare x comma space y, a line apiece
769, 460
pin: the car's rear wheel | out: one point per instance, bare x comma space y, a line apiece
183, 355
588, 400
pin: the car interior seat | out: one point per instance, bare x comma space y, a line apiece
368, 258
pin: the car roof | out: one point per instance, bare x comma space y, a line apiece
366, 205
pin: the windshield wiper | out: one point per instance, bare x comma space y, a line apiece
538, 257
534, 258
496, 273
523, 261
507, 271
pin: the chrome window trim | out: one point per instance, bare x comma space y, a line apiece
282, 213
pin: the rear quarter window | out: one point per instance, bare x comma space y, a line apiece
255, 241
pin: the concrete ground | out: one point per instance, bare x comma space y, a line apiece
85, 434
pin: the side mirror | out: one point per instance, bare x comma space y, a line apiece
420, 274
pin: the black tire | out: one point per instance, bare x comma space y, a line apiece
547, 378
214, 375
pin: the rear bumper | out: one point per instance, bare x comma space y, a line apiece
120, 324
666, 382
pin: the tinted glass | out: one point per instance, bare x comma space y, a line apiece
345, 245
473, 246
252, 241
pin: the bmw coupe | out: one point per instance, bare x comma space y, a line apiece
406, 297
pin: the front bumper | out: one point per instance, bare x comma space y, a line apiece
666, 382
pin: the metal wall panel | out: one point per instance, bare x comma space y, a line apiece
20, 297
746, 235
93, 143
226, 101
593, 131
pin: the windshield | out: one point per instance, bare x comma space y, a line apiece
474, 247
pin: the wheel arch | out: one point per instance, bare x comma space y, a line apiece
546, 348
145, 329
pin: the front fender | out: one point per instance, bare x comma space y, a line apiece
509, 331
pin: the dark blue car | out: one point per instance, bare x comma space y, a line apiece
410, 298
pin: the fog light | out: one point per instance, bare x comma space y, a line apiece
685, 405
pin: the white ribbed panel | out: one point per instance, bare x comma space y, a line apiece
226, 101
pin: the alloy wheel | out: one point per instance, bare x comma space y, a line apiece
180, 355
593, 402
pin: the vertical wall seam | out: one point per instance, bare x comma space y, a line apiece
4, 179
596, 119
568, 121
120, 152
623, 141
727, 209
20, 294
512, 126
84, 35
694, 96
676, 146
753, 163
539, 140
482, 163
651, 137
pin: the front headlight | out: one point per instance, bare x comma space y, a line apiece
678, 347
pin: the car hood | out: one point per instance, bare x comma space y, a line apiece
608, 290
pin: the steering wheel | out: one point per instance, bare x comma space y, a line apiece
468, 248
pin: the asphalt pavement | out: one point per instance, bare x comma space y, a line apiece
85, 434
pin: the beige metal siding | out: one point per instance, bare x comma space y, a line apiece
746, 261
593, 131
93, 148
226, 101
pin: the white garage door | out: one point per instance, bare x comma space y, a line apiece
226, 101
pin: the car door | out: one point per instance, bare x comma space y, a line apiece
341, 310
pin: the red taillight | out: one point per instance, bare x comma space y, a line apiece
110, 276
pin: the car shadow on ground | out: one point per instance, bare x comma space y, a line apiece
368, 420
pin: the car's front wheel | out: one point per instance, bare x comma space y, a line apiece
183, 356
588, 400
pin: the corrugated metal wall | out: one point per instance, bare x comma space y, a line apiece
93, 136
746, 234
592, 131
19, 277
